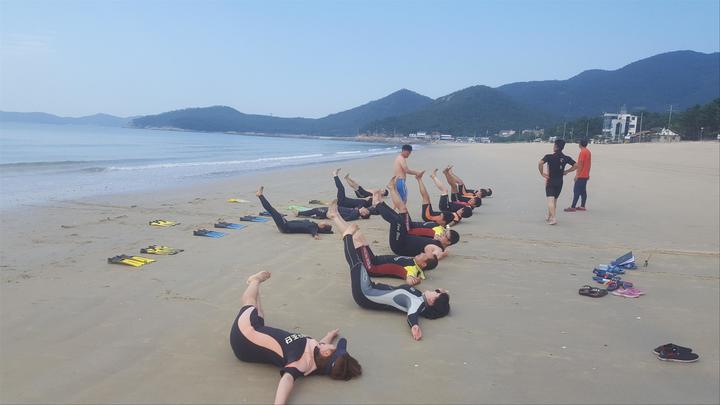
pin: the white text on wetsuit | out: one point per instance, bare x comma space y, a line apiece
293, 337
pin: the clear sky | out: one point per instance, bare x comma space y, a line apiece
313, 58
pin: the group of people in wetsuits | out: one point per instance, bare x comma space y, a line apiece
418, 247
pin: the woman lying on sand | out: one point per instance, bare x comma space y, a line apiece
371, 295
297, 355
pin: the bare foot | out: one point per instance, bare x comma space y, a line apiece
434, 173
259, 191
259, 277
419, 175
552, 221
332, 209
336, 172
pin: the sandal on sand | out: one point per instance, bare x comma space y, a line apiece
627, 293
594, 292
671, 346
673, 354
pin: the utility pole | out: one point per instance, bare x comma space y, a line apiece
701, 133
587, 127
670, 116
641, 118
564, 124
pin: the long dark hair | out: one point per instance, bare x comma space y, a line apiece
345, 367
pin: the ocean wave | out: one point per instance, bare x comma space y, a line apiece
217, 163
350, 152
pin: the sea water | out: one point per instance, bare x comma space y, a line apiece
40, 163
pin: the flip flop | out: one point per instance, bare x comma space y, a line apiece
593, 292
621, 292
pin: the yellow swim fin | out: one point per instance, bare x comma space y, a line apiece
129, 260
162, 222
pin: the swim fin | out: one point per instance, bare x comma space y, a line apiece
209, 234
236, 200
160, 250
162, 222
252, 218
229, 225
135, 261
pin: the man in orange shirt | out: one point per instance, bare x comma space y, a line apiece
581, 178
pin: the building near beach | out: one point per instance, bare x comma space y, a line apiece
617, 126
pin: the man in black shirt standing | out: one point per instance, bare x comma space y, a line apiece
554, 177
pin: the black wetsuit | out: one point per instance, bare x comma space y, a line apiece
362, 193
294, 226
452, 205
372, 295
344, 201
348, 214
401, 242
254, 342
556, 169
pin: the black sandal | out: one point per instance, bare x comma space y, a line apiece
592, 291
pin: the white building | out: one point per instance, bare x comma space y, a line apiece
617, 126
446, 137
505, 133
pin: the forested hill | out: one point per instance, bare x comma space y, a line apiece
472, 111
221, 118
681, 78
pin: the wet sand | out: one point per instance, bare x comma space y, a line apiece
74, 329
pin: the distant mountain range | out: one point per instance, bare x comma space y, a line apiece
220, 118
471, 111
681, 78
104, 120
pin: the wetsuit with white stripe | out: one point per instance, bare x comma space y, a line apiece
254, 342
371, 295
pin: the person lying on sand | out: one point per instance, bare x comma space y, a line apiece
348, 214
360, 192
296, 354
404, 298
401, 242
443, 217
294, 226
344, 201
460, 194
410, 269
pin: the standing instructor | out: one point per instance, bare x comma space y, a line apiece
401, 170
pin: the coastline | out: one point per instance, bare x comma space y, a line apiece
76, 329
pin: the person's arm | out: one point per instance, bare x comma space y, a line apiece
572, 168
433, 249
284, 388
579, 165
541, 166
406, 169
330, 336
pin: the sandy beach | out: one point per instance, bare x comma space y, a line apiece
75, 329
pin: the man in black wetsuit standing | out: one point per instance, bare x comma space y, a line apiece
295, 226
556, 163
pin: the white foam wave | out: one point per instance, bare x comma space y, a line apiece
220, 163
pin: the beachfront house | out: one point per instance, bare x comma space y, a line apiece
617, 127
663, 135
506, 133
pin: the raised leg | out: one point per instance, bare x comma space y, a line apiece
251, 296
423, 191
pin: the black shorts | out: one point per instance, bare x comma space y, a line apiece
553, 189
